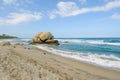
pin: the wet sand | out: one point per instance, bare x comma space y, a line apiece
19, 63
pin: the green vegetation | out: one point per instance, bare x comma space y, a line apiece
4, 36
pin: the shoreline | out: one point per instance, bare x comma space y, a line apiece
77, 59
91, 68
37, 64
92, 64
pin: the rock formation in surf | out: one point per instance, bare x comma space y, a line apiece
44, 38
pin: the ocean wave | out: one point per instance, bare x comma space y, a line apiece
110, 61
103, 42
99, 42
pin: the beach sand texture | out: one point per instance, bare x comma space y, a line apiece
18, 63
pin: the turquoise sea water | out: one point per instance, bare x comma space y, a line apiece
103, 52
101, 46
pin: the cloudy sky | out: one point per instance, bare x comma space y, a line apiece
64, 18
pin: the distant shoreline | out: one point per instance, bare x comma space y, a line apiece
4, 36
9, 38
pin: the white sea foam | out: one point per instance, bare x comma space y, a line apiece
111, 61
71, 40
102, 42
99, 42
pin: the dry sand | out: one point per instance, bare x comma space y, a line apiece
17, 63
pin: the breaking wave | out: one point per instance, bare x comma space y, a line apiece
99, 42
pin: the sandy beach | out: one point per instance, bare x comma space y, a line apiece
19, 63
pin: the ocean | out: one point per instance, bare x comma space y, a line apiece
104, 52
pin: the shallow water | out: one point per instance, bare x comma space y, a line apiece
99, 51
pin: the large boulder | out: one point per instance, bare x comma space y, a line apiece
44, 37
36, 38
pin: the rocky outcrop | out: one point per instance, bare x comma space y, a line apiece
44, 38
5, 44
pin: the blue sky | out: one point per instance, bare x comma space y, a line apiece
63, 18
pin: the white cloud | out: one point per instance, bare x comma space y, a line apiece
16, 3
106, 0
9, 1
82, 1
109, 0
65, 9
52, 15
116, 16
17, 18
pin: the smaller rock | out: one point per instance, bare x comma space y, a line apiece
52, 42
66, 41
17, 44
14, 46
5, 44
44, 53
